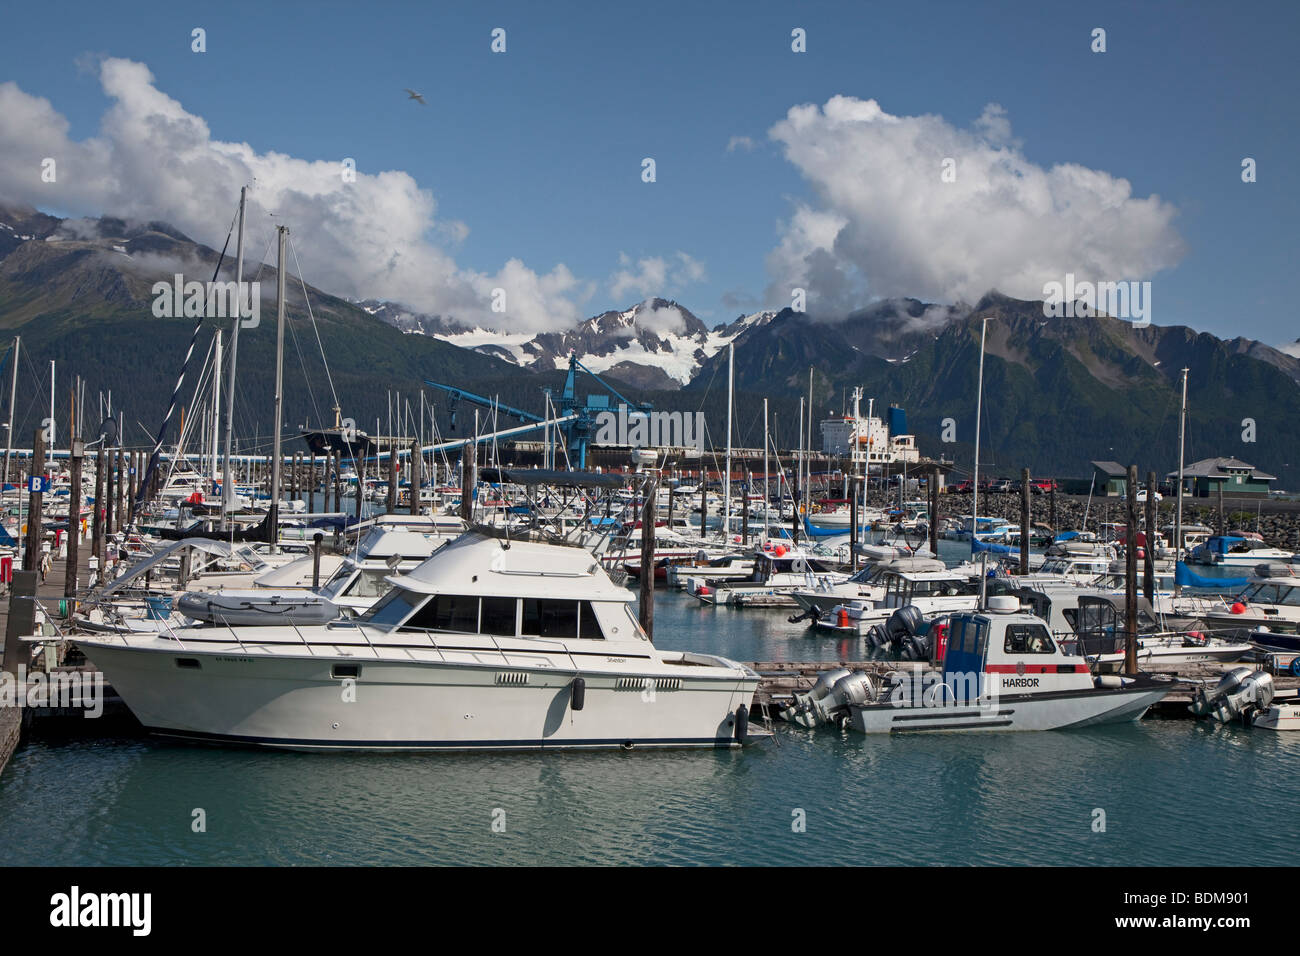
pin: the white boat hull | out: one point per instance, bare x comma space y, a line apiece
1051, 711
1278, 717
478, 699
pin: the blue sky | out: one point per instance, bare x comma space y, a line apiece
538, 151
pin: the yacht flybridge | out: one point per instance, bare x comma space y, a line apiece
492, 643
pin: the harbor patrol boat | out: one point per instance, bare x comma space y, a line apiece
493, 643
1003, 671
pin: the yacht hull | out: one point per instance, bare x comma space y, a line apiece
472, 700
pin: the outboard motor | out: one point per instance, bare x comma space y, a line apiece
827, 701
1240, 693
904, 623
915, 647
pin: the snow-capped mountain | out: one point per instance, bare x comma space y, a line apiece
654, 344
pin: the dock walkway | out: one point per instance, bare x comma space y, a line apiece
49, 593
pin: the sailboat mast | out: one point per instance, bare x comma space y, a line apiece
767, 493
13, 396
52, 422
807, 485
227, 474
1178, 507
279, 389
216, 405
799, 479
726, 478
979, 410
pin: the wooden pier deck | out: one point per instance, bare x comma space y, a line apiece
49, 593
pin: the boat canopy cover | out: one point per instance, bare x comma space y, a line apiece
221, 549
817, 531
1187, 578
976, 545
547, 476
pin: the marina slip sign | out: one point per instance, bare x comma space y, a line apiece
635, 429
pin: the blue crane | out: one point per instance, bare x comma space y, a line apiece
578, 431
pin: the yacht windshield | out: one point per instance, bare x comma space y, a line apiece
392, 609
1272, 594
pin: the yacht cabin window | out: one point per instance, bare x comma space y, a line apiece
497, 616
369, 583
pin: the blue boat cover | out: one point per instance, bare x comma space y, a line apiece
1187, 578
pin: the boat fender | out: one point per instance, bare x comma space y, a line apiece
844, 618
742, 723
1108, 680
578, 696
1239, 608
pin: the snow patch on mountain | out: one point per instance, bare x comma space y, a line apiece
655, 334
512, 344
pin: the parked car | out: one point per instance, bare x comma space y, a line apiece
1141, 496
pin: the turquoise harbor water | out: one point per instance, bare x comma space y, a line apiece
1172, 791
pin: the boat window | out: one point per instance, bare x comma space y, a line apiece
391, 609
369, 584
588, 626
1289, 596
447, 612
1146, 623
1260, 593
1028, 639
545, 617
950, 587
499, 615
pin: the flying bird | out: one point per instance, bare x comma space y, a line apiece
419, 97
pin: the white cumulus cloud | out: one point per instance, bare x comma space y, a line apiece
885, 223
152, 159
655, 275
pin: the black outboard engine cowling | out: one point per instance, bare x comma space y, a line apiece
906, 622
916, 647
